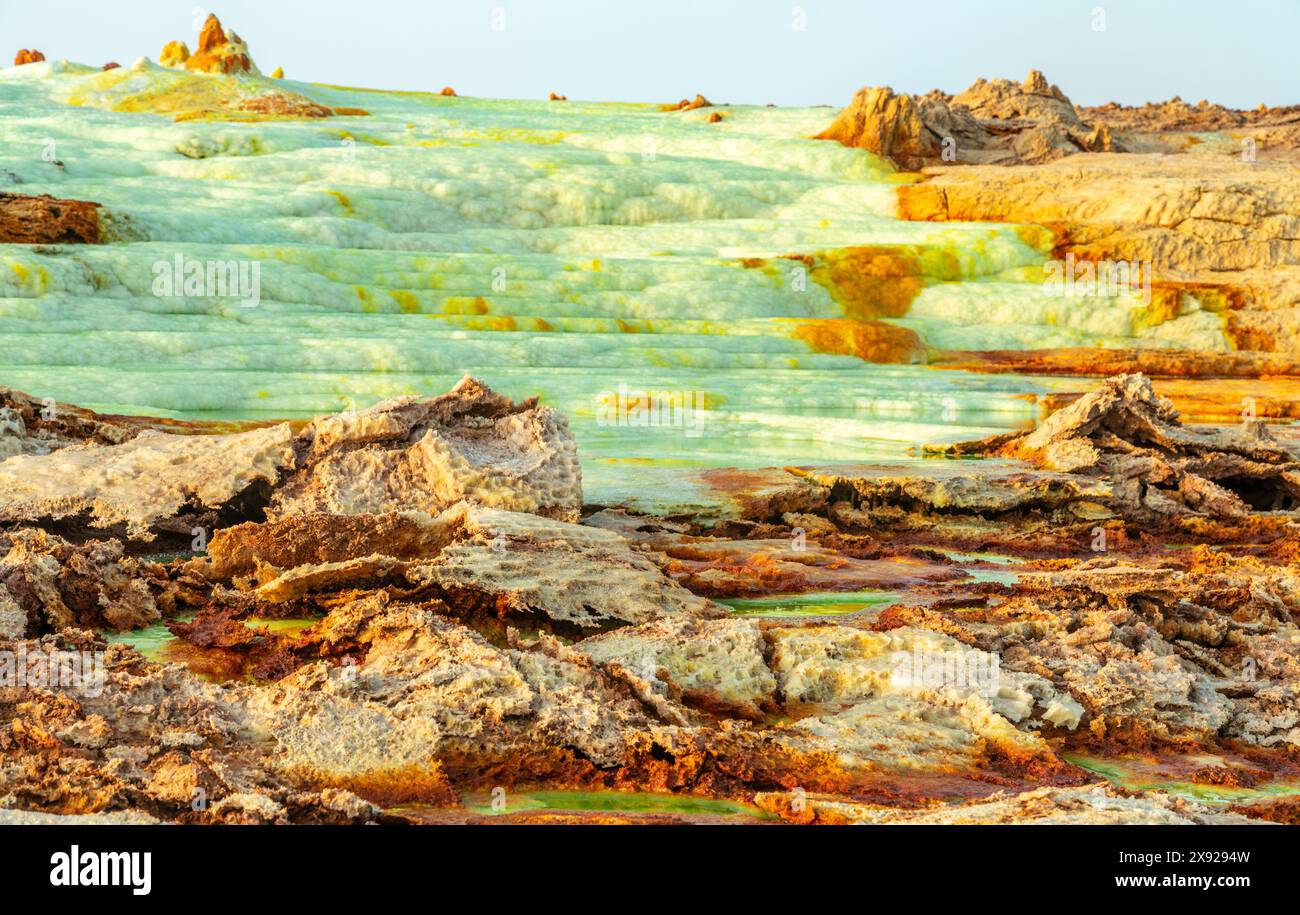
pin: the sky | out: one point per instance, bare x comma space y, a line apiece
808, 52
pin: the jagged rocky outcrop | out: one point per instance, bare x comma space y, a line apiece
47, 220
218, 51
153, 483
413, 703
411, 454
1157, 468
998, 122
28, 56
1178, 115
475, 648
1197, 649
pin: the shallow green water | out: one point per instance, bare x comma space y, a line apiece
828, 603
155, 641
151, 641
991, 575
612, 802
1129, 774
281, 626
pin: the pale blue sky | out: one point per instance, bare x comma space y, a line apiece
743, 51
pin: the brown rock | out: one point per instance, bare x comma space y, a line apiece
992, 122
48, 584
46, 220
891, 126
448, 91
688, 104
111, 65
28, 57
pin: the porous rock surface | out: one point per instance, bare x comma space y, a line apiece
1157, 468
505, 563
404, 454
476, 647
424, 455
1092, 805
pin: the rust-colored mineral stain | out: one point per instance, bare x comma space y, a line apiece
870, 341
1102, 362
868, 282
923, 202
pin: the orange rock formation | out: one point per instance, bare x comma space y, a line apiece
219, 51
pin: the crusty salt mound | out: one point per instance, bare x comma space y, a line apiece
425, 455
405, 454
1157, 467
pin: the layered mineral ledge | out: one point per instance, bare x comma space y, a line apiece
1204, 200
